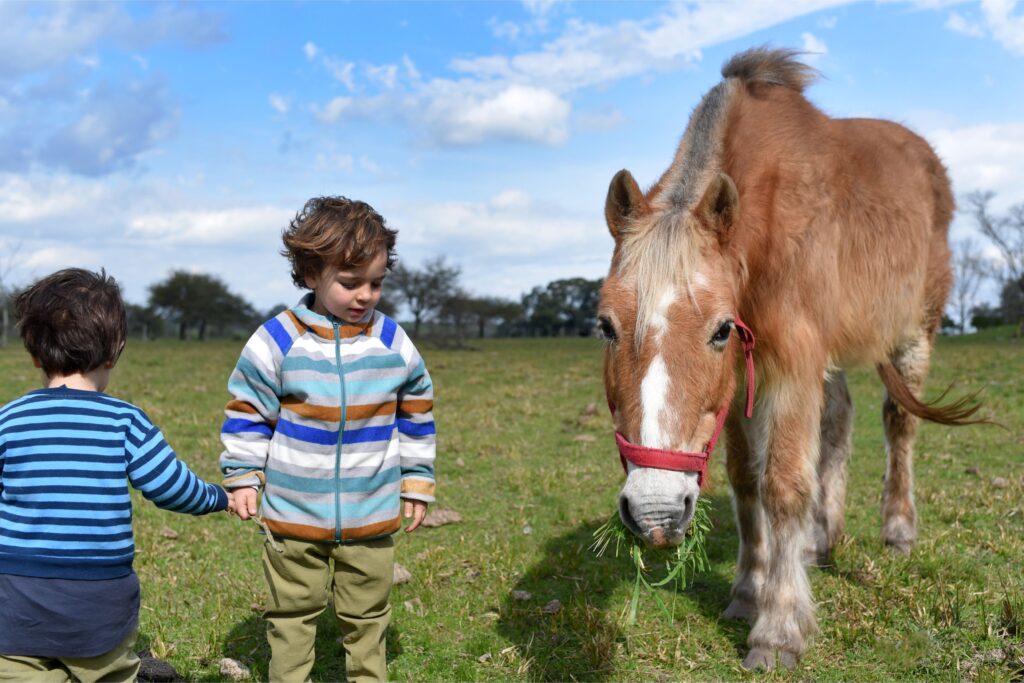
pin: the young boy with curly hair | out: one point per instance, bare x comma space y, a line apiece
332, 417
68, 453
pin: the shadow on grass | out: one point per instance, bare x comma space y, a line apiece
580, 640
247, 643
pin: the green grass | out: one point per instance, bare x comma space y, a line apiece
508, 460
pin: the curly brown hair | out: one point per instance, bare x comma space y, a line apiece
72, 321
335, 231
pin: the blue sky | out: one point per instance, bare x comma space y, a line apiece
147, 137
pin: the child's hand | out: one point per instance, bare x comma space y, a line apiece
231, 501
245, 502
416, 509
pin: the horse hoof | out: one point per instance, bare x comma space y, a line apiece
788, 660
899, 547
759, 658
739, 609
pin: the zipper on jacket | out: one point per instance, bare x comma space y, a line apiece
341, 431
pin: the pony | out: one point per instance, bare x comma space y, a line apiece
828, 238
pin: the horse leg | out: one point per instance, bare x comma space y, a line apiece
743, 468
836, 444
899, 516
785, 610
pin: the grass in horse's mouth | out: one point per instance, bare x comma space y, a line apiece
681, 564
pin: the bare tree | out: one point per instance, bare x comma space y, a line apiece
1006, 232
8, 259
969, 270
425, 291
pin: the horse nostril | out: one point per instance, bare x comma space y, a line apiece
689, 502
627, 516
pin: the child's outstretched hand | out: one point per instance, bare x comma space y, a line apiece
245, 502
416, 509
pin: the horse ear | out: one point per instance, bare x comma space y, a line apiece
624, 201
719, 208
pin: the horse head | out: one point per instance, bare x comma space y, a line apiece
667, 313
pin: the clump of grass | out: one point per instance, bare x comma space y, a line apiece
681, 564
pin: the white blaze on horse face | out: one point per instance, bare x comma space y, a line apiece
653, 391
654, 387
659, 317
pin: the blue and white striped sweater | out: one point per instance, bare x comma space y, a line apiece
335, 420
66, 460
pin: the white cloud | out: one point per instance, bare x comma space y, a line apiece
310, 50
385, 74
986, 156
997, 20
814, 46
341, 71
332, 112
52, 258
516, 112
524, 97
410, 68
279, 103
212, 226
36, 37
26, 199
1006, 27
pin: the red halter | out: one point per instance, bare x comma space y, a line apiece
681, 461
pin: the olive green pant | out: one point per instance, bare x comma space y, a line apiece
300, 581
120, 664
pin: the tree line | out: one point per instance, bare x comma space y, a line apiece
433, 302
430, 300
971, 268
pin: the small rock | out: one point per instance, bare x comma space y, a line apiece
460, 462
553, 607
156, 670
521, 596
233, 669
415, 606
167, 532
999, 483
974, 471
401, 575
591, 409
256, 607
484, 658
440, 517
585, 438
527, 530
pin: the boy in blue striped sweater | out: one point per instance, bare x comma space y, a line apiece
68, 453
332, 417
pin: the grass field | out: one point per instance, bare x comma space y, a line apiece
531, 495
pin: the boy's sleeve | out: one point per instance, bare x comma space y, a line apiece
416, 432
154, 469
251, 415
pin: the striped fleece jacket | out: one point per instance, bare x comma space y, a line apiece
335, 421
66, 459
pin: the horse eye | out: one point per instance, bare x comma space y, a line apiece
605, 329
721, 335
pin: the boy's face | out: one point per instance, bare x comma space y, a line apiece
350, 293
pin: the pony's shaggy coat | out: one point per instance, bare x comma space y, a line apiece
829, 238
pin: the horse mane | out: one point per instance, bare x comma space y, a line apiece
774, 67
657, 253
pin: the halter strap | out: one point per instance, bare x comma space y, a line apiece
682, 461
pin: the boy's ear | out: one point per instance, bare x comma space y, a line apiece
36, 362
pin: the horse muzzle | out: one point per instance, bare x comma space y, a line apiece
657, 506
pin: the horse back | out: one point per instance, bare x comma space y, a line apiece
843, 223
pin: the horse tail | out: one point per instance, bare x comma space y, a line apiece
957, 414
774, 67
